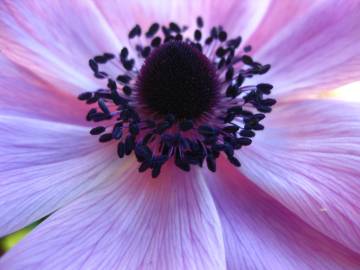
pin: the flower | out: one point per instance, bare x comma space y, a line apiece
293, 204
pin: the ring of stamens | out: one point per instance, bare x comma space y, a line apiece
157, 134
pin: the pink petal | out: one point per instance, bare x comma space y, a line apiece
308, 158
134, 223
55, 40
44, 166
316, 50
237, 17
22, 93
260, 233
278, 16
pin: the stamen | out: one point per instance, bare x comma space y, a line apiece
156, 42
136, 31
222, 36
174, 28
199, 22
85, 96
152, 30
187, 104
197, 35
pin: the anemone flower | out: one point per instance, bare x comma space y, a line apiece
178, 171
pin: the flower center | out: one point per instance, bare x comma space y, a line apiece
178, 79
178, 98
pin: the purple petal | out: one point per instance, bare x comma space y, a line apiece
134, 223
44, 166
55, 40
22, 93
316, 50
260, 233
237, 17
308, 158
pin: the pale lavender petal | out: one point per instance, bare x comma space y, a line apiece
55, 39
348, 92
278, 16
308, 158
44, 166
237, 17
315, 51
23, 93
131, 223
260, 233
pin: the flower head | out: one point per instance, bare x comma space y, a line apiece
186, 102
173, 87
